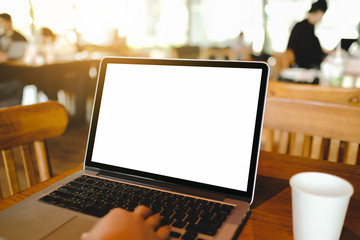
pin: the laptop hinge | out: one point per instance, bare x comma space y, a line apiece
162, 185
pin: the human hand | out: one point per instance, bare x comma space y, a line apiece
121, 224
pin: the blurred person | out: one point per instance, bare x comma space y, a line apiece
47, 35
121, 224
12, 46
46, 40
241, 48
303, 41
51, 46
12, 43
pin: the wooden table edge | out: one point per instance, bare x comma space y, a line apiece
13, 199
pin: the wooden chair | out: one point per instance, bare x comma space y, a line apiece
25, 128
314, 92
188, 52
282, 61
216, 53
337, 122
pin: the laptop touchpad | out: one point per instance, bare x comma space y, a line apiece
72, 229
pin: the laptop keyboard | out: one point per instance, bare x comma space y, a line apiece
97, 196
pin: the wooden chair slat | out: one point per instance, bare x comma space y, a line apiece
334, 150
42, 160
316, 147
267, 139
351, 153
10, 170
276, 134
292, 142
307, 146
29, 167
283, 142
298, 145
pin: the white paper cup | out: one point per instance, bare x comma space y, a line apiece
319, 205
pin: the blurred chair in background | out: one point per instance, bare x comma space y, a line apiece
187, 52
23, 133
216, 53
11, 93
280, 61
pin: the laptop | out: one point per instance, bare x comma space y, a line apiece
162, 130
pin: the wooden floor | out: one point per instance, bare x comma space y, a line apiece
65, 152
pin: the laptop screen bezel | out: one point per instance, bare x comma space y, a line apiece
248, 194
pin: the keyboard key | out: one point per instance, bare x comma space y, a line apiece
226, 208
210, 223
166, 221
202, 229
60, 194
74, 184
76, 207
46, 198
94, 211
192, 219
175, 234
179, 224
55, 201
189, 235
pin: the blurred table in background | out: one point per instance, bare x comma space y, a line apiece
75, 77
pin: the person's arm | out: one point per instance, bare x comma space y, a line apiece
120, 224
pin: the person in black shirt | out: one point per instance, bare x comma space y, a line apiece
12, 43
303, 41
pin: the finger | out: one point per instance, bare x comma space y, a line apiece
116, 211
154, 221
163, 232
143, 211
83, 236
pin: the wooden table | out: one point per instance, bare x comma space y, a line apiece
271, 210
68, 75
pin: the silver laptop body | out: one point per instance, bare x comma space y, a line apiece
190, 127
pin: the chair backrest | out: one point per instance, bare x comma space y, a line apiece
216, 53
26, 128
187, 51
311, 123
314, 92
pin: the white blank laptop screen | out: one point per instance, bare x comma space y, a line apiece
187, 122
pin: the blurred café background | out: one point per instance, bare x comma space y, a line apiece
178, 28
66, 40
152, 28
148, 25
